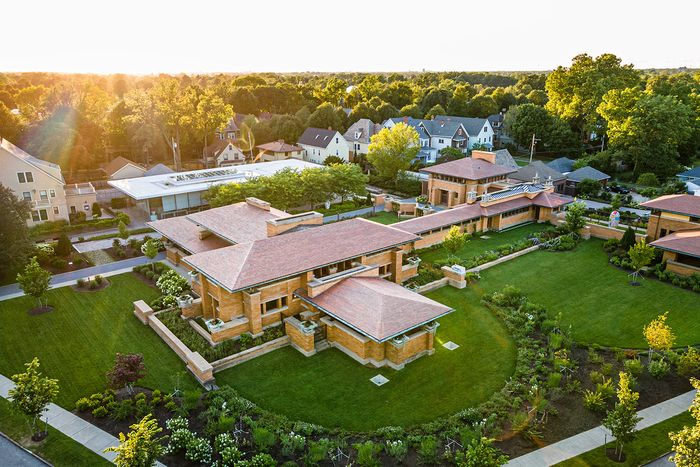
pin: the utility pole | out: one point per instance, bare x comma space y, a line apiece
532, 147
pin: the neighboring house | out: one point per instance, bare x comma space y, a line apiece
562, 165
180, 193
277, 151
318, 144
121, 167
333, 285
584, 173
674, 225
41, 184
462, 180
539, 171
231, 130
504, 159
224, 152
479, 130
158, 169
359, 135
496, 121
691, 178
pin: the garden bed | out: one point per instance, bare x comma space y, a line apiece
94, 285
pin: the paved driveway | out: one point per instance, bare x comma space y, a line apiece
15, 456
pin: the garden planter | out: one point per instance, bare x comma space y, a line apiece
214, 324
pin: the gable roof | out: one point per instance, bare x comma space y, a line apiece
278, 146
219, 146
118, 163
472, 125
40, 164
504, 159
679, 204
537, 168
442, 126
562, 164
692, 173
158, 169
317, 137
587, 172
362, 130
378, 308
186, 234
468, 168
686, 242
249, 264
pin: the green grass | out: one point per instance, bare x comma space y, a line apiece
57, 448
386, 218
651, 443
476, 245
77, 341
334, 390
594, 298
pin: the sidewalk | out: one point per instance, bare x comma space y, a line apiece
594, 438
93, 245
10, 291
87, 434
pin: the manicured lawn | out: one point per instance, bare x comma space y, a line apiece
334, 390
386, 218
594, 298
77, 341
477, 245
651, 443
57, 448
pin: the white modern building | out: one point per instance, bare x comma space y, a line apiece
176, 194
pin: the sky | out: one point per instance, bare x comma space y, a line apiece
208, 36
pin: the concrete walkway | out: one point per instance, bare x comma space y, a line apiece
10, 291
85, 433
594, 438
94, 245
598, 205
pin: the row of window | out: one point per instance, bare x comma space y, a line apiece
516, 212
43, 194
42, 214
486, 140
448, 227
25, 177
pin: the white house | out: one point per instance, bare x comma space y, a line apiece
121, 167
359, 135
224, 152
443, 131
318, 144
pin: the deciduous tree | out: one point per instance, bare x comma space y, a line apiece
659, 335
622, 419
686, 442
127, 369
392, 150
454, 240
14, 234
32, 393
34, 280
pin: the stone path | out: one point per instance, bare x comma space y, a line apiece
105, 243
594, 438
14, 455
10, 291
85, 433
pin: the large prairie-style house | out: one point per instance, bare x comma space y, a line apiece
41, 183
332, 285
277, 151
359, 135
674, 226
318, 144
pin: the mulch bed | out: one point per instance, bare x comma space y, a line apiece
572, 417
40, 310
86, 287
129, 253
145, 279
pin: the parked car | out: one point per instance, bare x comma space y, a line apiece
618, 189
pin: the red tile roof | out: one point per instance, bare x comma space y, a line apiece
186, 234
680, 204
376, 307
248, 264
551, 200
504, 206
237, 223
682, 241
468, 168
423, 224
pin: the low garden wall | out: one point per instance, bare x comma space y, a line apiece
503, 259
605, 233
244, 356
431, 286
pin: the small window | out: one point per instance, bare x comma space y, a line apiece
336, 141
73, 210
21, 178
43, 195
44, 216
55, 210
52, 193
35, 216
441, 141
485, 129
27, 196
30, 177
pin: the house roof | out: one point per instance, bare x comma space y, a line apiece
472, 125
248, 264
362, 130
679, 204
442, 126
419, 225
686, 242
158, 169
218, 146
237, 223
504, 159
692, 173
40, 164
551, 200
278, 146
468, 168
376, 307
186, 234
587, 172
537, 168
317, 137
562, 164
231, 125
495, 118
118, 163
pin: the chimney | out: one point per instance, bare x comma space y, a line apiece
258, 203
484, 156
442, 123
283, 224
536, 178
549, 184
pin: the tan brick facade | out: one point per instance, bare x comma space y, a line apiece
665, 223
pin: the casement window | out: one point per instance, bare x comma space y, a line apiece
515, 212
441, 140
25, 177
273, 305
30, 177
27, 196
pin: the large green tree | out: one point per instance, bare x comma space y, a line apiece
14, 234
34, 280
326, 116
392, 150
211, 114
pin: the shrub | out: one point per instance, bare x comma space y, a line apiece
659, 368
82, 404
117, 203
99, 279
122, 411
689, 362
263, 439
366, 454
427, 451
63, 246
99, 412
606, 388
80, 283
634, 366
245, 341
396, 449
230, 455
292, 443
554, 380
606, 369
198, 450
593, 401
648, 179
171, 283
59, 263
93, 285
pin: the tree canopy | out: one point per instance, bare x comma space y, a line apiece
392, 150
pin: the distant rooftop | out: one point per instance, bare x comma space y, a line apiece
469, 168
200, 180
679, 204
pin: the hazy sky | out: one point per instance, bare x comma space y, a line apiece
152, 36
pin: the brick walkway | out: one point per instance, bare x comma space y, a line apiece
594, 438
